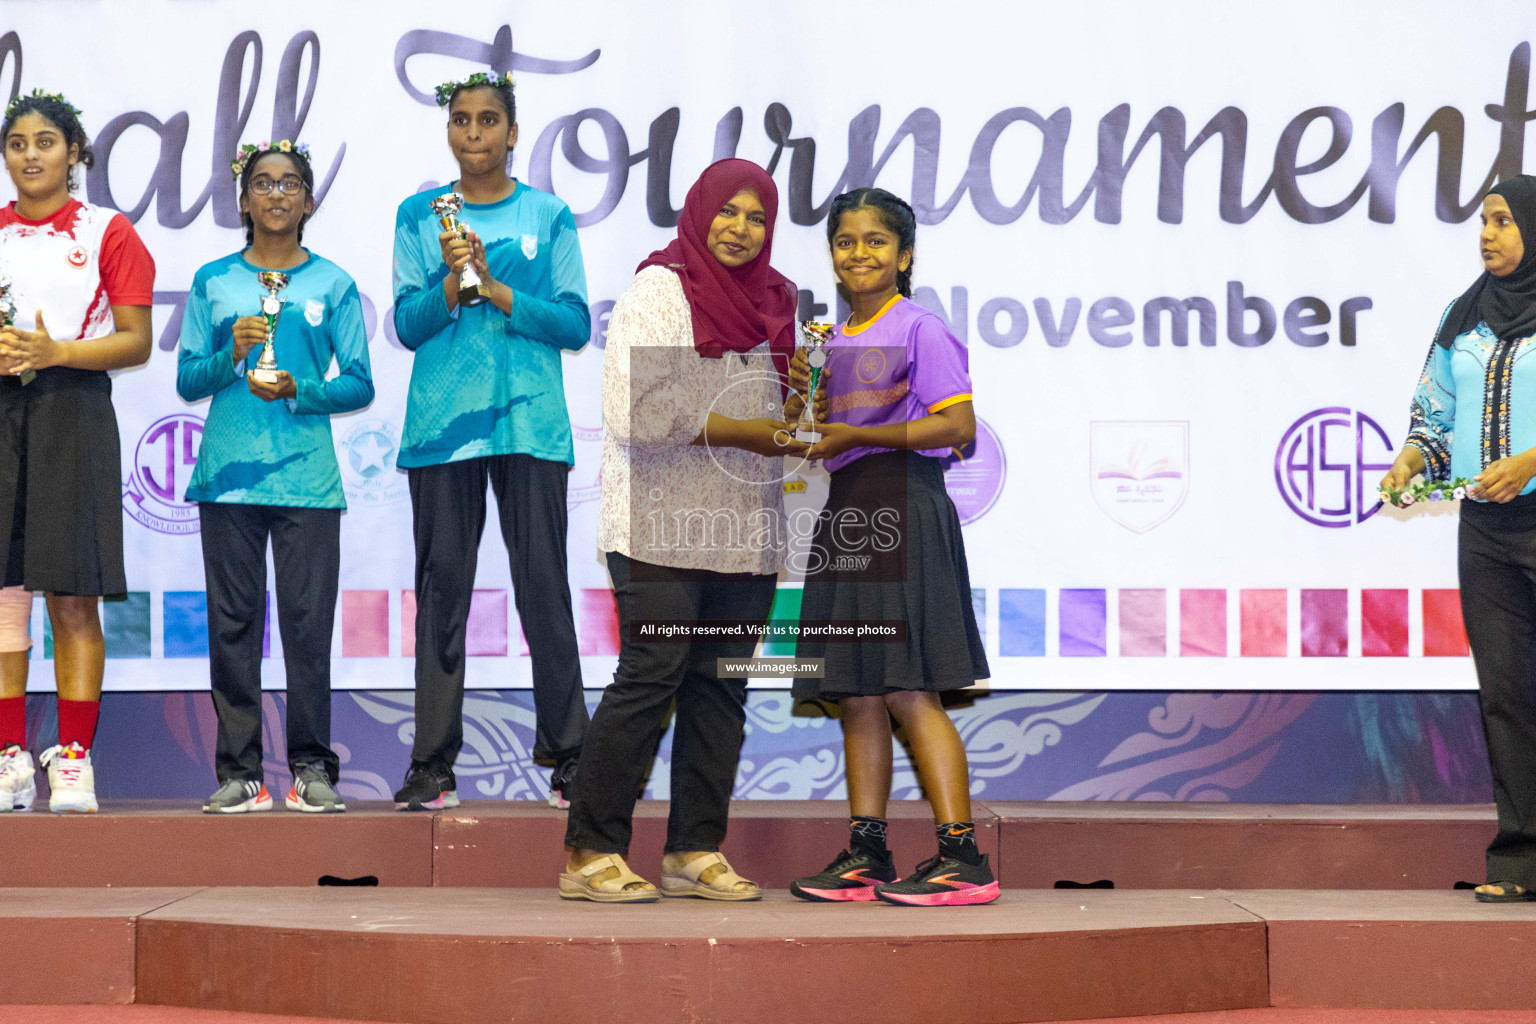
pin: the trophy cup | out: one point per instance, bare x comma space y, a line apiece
271, 306
447, 207
815, 336
8, 317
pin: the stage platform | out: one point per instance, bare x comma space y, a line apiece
518, 845
480, 955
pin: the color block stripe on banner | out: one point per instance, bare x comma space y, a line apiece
1143, 623
1384, 623
1021, 623
786, 609
598, 623
1083, 629
186, 624
1203, 623
125, 625
979, 610
1324, 623
1263, 621
365, 624
1444, 634
486, 634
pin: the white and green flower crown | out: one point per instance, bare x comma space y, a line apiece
493, 79
38, 94
249, 152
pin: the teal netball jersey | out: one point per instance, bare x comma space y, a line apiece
273, 453
486, 382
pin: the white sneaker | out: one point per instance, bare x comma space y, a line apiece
17, 787
71, 780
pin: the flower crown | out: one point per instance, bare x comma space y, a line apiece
494, 79
249, 152
38, 94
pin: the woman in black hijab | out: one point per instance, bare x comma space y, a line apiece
1483, 352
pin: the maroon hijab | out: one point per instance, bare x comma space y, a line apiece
734, 308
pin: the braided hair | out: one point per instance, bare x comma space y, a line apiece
895, 214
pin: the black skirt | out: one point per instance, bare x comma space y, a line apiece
888, 549
61, 499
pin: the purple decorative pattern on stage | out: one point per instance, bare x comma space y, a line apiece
1246, 747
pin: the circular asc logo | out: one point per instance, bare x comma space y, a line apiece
155, 494
974, 475
1325, 463
368, 474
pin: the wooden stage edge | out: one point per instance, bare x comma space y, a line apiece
479, 955
519, 845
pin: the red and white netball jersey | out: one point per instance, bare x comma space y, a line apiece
74, 266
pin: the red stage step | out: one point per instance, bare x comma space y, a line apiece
518, 844
469, 955
162, 842
1243, 846
74, 945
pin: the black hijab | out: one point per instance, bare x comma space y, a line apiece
1507, 304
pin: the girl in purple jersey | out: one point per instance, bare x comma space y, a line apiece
888, 550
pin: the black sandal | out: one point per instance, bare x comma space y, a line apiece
1511, 893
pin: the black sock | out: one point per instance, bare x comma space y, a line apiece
867, 835
957, 839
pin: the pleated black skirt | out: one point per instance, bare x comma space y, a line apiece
61, 498
891, 507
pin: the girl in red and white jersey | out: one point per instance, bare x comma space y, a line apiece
80, 284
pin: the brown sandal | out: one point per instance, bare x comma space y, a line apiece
685, 882
578, 884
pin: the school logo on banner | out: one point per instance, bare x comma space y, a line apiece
155, 493
1139, 471
530, 246
367, 458
974, 474
1327, 465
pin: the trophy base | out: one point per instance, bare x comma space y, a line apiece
471, 296
806, 435
265, 376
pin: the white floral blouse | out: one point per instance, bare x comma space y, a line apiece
665, 500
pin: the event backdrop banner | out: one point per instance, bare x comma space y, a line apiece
1197, 253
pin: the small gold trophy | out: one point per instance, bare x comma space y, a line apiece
8, 317
815, 336
271, 307
447, 207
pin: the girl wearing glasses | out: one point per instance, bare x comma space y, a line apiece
81, 285
267, 468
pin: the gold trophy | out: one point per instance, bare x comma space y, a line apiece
815, 336
271, 307
8, 317
447, 207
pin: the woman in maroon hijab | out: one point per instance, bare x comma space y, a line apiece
692, 527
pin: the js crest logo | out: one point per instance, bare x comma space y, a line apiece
155, 493
367, 458
1324, 465
1139, 471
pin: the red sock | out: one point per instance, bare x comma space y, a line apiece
13, 721
77, 722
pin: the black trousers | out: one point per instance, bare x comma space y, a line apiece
306, 552
448, 509
1497, 568
629, 721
